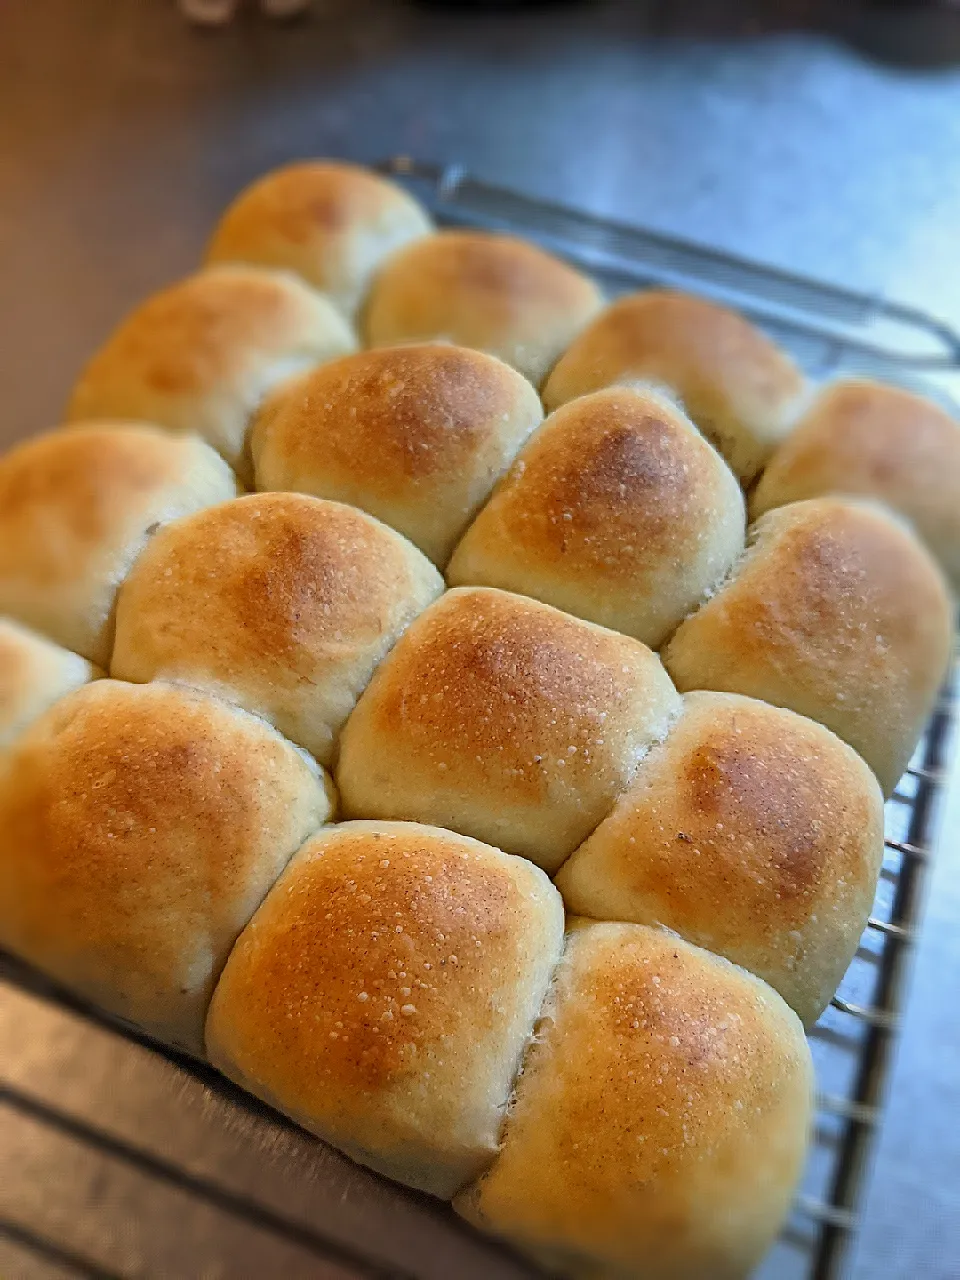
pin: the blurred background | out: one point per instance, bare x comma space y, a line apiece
819, 137
124, 131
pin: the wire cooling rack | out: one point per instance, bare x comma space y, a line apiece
830, 331
172, 1165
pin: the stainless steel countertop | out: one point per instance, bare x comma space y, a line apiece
122, 134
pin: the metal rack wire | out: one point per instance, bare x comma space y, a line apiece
264, 1175
897, 926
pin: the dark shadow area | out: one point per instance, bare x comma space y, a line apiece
913, 33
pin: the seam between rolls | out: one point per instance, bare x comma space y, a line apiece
672, 719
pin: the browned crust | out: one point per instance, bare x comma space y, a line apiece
75, 508
737, 385
384, 991
274, 577
283, 602
617, 510
333, 223
837, 612
197, 333
155, 821
91, 477
393, 417
494, 292
200, 355
417, 435
500, 713
750, 831
864, 438
660, 1120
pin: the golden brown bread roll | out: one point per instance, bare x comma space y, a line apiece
334, 224
505, 720
200, 355
750, 831
493, 292
383, 994
417, 436
34, 673
617, 511
279, 602
140, 827
738, 387
659, 1123
837, 612
881, 442
77, 507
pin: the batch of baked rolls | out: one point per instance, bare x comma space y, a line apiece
461, 711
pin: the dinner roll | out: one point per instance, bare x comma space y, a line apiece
750, 831
836, 612
505, 720
659, 1124
140, 827
861, 437
34, 673
200, 355
617, 511
331, 223
739, 387
77, 507
280, 602
383, 994
416, 435
494, 292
